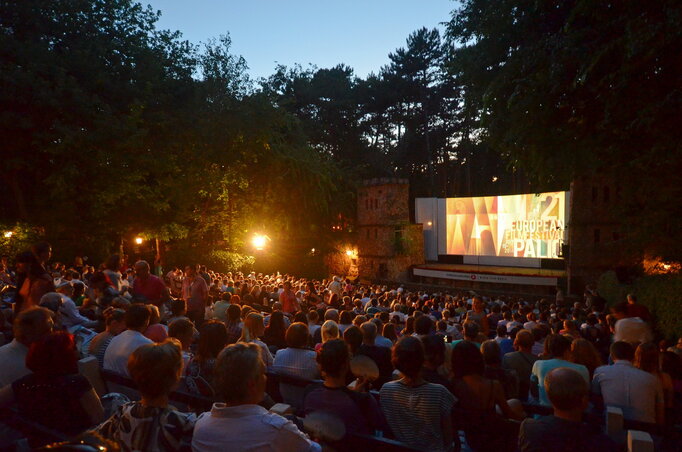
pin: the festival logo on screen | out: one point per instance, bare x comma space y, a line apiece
516, 226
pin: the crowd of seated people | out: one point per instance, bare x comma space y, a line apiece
443, 371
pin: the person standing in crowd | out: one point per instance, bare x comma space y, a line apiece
478, 315
122, 346
33, 281
635, 309
149, 286
204, 274
632, 330
238, 423
112, 268
418, 412
176, 277
335, 286
151, 424
288, 299
564, 431
195, 293
637, 392
29, 326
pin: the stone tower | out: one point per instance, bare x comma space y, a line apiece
388, 244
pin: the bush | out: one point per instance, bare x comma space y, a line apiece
611, 289
224, 261
660, 293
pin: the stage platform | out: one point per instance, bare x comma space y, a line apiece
521, 276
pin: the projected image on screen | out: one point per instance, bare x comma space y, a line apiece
516, 226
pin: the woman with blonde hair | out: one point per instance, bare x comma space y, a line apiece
583, 352
328, 331
647, 358
253, 329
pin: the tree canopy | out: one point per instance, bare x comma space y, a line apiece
113, 127
570, 88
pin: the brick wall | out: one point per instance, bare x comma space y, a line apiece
387, 243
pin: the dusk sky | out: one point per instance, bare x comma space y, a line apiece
325, 33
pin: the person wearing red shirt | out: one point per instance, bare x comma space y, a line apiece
288, 299
149, 286
637, 310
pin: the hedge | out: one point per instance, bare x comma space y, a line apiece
662, 294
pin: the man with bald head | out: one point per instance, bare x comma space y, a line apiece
564, 431
380, 355
149, 286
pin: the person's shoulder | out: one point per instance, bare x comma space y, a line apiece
391, 386
274, 420
605, 369
644, 376
532, 425
180, 418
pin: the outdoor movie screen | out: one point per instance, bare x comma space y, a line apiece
529, 225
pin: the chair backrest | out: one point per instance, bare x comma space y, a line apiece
31, 429
375, 443
614, 421
197, 402
639, 441
89, 368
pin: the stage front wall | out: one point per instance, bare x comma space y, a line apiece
528, 225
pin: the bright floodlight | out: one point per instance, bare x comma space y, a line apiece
259, 241
8, 234
349, 252
139, 240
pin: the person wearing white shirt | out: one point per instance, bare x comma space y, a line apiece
238, 423
638, 393
365, 300
632, 330
122, 346
531, 323
29, 326
70, 315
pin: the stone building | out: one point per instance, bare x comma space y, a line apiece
388, 243
596, 238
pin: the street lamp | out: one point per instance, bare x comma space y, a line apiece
259, 241
139, 240
9, 234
